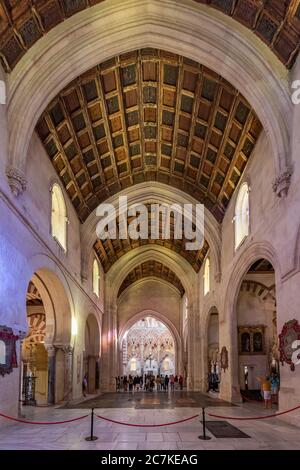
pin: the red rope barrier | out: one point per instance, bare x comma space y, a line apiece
147, 425
41, 422
255, 417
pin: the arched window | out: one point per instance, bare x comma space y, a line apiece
241, 216
206, 276
96, 276
2, 92
2, 352
58, 216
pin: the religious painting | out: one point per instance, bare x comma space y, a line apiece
257, 342
224, 359
289, 334
8, 355
245, 342
251, 340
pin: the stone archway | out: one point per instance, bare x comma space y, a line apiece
57, 340
230, 383
176, 356
141, 26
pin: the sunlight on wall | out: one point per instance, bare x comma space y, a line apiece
59, 217
206, 276
241, 216
96, 276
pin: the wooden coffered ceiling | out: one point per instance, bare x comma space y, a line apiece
23, 22
262, 266
151, 269
149, 115
110, 250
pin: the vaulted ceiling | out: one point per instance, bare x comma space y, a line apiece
110, 250
23, 22
151, 269
149, 115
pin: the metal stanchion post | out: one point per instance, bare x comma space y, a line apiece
204, 437
92, 437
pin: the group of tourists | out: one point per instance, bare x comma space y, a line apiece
270, 389
149, 382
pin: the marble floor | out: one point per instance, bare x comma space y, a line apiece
264, 434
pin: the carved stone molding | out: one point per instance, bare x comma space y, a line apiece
282, 183
16, 180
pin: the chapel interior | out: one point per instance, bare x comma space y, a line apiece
165, 102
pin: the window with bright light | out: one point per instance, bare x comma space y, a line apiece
96, 276
241, 216
2, 352
58, 216
133, 365
206, 276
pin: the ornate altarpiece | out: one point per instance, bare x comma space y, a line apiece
8, 358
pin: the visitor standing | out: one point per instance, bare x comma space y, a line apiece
275, 383
172, 381
84, 385
180, 382
166, 383
157, 383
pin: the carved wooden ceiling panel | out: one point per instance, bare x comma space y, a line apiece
149, 115
152, 269
23, 22
261, 266
110, 250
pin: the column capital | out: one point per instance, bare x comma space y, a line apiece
66, 348
282, 183
16, 180
51, 349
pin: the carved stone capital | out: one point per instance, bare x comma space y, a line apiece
282, 183
16, 180
68, 350
51, 350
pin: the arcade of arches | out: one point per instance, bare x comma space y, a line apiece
159, 113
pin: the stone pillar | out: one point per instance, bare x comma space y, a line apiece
68, 379
51, 373
22, 336
92, 374
109, 356
190, 349
229, 386
194, 351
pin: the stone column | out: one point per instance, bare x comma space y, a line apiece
190, 349
109, 350
22, 335
92, 374
51, 372
194, 351
229, 386
68, 376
